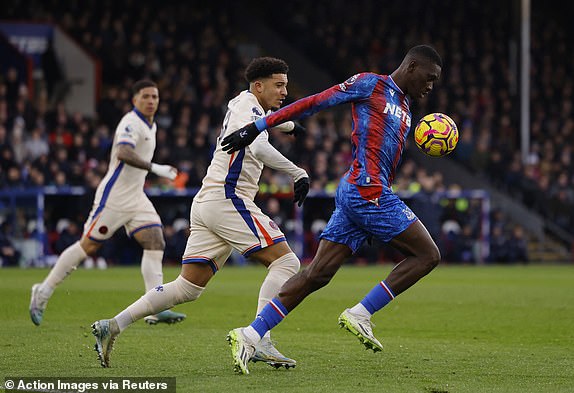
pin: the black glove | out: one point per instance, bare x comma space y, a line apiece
240, 138
298, 131
301, 189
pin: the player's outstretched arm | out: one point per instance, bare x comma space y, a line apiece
245, 136
239, 139
299, 109
163, 170
127, 154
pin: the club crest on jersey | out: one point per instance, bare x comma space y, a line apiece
256, 111
348, 82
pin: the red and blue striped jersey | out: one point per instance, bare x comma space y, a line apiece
381, 123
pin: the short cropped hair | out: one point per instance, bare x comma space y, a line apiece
142, 84
425, 51
264, 67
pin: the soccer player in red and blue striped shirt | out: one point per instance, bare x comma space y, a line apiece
365, 203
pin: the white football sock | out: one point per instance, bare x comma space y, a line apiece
152, 269
359, 309
251, 335
66, 263
280, 270
158, 299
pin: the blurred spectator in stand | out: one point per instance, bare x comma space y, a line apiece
517, 246
450, 235
36, 177
466, 245
109, 110
426, 206
12, 85
498, 245
176, 236
273, 209
480, 156
68, 232
540, 197
9, 255
561, 209
464, 148
35, 145
53, 75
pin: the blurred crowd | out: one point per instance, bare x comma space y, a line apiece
188, 51
192, 53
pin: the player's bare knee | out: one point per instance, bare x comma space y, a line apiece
89, 247
432, 258
154, 243
150, 238
158, 243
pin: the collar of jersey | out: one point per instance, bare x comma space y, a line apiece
141, 116
395, 86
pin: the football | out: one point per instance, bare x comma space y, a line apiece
436, 135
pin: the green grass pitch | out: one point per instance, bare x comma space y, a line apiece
461, 329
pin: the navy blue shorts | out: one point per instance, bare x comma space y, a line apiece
355, 218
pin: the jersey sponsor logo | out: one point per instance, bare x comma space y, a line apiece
243, 134
395, 110
256, 111
273, 225
128, 129
392, 93
159, 288
374, 201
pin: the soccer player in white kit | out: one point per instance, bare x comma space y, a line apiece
224, 216
120, 201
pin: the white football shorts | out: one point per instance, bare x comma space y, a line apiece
218, 226
103, 221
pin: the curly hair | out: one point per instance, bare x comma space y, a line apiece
264, 67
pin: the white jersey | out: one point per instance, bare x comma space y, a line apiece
123, 186
237, 174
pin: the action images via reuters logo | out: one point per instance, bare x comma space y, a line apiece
86, 385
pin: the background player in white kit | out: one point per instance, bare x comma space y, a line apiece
120, 201
224, 216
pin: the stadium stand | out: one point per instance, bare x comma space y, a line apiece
194, 53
